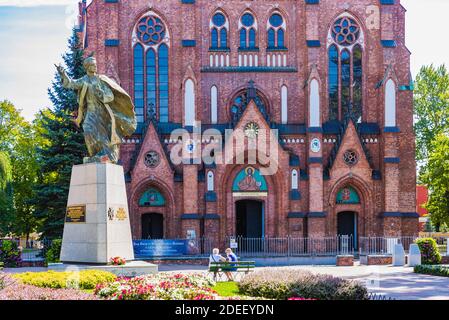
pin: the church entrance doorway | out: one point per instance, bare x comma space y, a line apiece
249, 218
152, 226
347, 226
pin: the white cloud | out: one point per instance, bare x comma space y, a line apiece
30, 3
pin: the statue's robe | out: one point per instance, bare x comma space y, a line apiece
108, 114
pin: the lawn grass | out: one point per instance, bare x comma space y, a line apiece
227, 289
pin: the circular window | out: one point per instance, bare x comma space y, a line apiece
150, 30
247, 20
152, 159
219, 19
350, 157
345, 31
276, 20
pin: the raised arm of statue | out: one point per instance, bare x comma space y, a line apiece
67, 82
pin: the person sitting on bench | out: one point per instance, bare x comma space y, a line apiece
215, 257
232, 258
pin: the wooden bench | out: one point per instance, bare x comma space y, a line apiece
235, 267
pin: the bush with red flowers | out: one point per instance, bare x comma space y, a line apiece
118, 261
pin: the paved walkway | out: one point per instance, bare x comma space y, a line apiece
395, 282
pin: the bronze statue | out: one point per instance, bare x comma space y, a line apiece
105, 111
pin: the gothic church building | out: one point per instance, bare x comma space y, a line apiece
332, 77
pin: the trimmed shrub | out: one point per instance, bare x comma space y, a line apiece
429, 251
86, 279
432, 270
54, 251
10, 254
282, 284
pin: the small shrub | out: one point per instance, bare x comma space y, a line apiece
54, 251
429, 251
282, 284
10, 254
118, 261
432, 270
85, 279
15, 290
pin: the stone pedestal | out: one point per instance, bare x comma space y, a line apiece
105, 229
398, 256
414, 257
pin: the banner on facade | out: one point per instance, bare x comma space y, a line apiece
164, 248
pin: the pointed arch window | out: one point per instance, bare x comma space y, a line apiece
345, 71
248, 27
219, 27
276, 32
151, 69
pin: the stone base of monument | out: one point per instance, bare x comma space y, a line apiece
97, 225
130, 269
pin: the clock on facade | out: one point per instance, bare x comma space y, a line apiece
315, 145
190, 146
251, 130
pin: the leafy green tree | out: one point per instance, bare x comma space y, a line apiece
431, 103
10, 126
62, 147
5, 193
436, 176
17, 140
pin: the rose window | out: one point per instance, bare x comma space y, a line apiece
150, 30
152, 159
345, 31
350, 157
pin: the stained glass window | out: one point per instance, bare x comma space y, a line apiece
219, 32
357, 83
333, 83
163, 83
345, 74
139, 98
248, 31
276, 32
151, 68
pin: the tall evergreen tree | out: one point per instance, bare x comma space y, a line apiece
63, 148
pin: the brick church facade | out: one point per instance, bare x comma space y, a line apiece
330, 77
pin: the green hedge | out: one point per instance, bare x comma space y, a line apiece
430, 253
9, 254
54, 251
432, 270
282, 284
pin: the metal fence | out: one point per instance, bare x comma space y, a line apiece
383, 245
30, 251
292, 247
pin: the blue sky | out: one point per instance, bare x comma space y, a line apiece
34, 33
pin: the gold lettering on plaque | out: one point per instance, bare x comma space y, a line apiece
76, 214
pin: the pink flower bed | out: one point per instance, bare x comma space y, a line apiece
11, 289
159, 287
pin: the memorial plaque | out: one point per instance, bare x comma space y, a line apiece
76, 214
